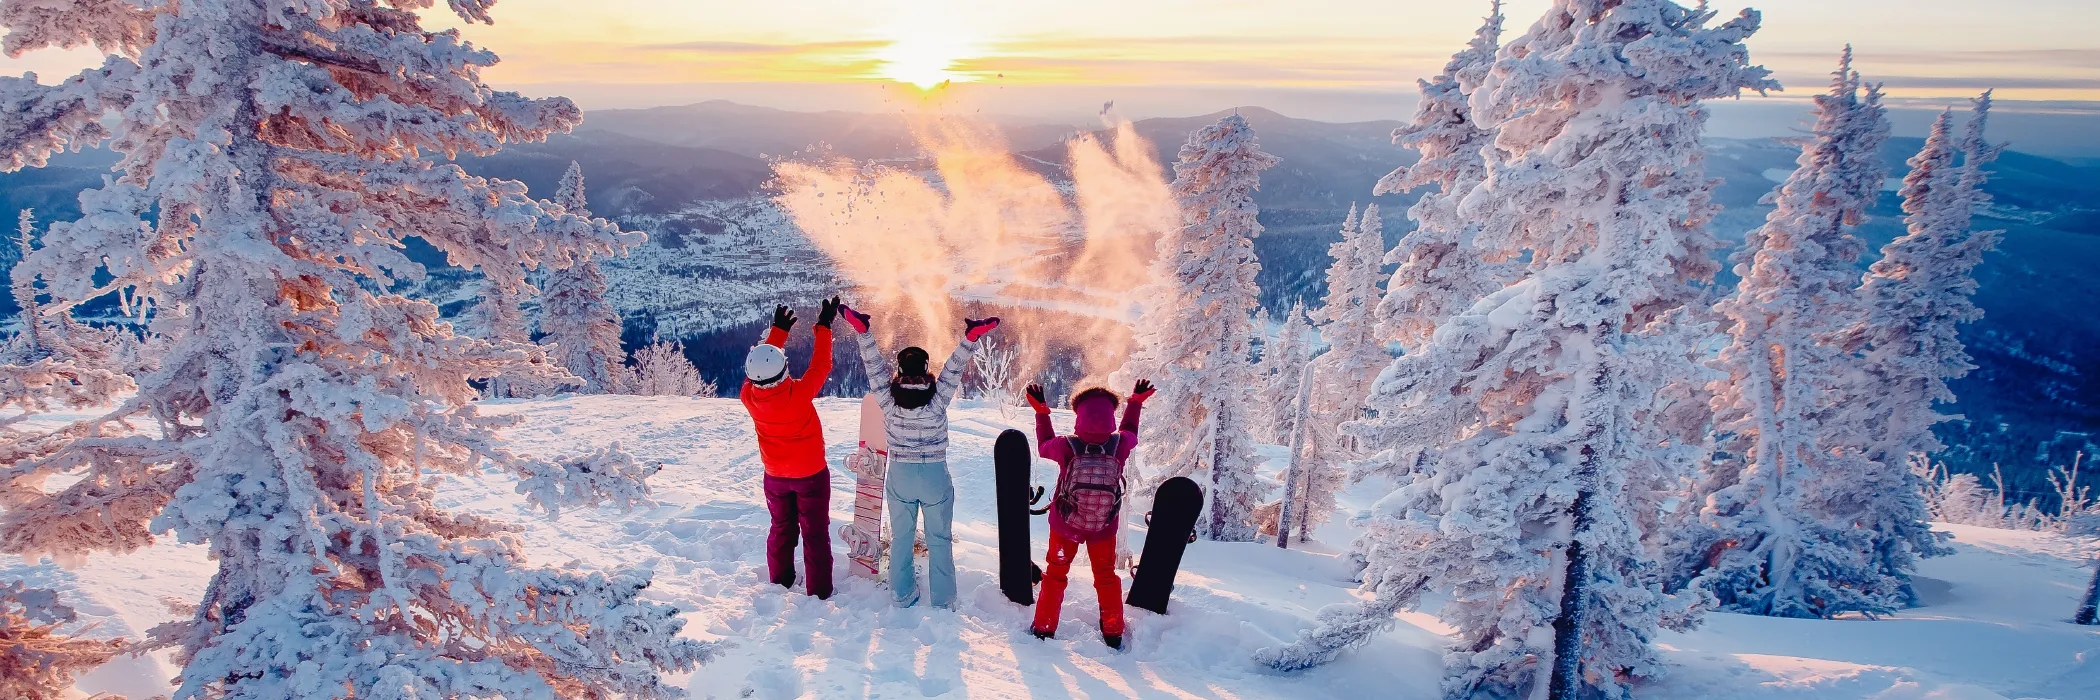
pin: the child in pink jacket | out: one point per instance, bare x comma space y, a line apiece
1094, 428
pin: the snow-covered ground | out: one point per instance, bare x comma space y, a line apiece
1993, 624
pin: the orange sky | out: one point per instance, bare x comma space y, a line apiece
629, 51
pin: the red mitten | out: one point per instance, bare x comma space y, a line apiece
856, 319
974, 328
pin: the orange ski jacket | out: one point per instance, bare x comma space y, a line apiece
790, 438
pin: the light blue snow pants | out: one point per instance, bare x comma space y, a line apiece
914, 487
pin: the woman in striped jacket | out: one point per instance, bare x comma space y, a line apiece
915, 419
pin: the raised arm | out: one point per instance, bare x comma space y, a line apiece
871, 359
783, 322
1131, 410
1135, 405
1047, 445
819, 372
951, 373
870, 356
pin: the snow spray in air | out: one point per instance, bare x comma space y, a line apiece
1062, 257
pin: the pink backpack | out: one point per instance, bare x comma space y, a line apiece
1090, 489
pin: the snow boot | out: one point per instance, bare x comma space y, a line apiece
1040, 634
1114, 641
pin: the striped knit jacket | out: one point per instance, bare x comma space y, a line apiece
916, 434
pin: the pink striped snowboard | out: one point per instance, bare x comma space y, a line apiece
869, 463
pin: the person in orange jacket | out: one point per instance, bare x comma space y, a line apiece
791, 445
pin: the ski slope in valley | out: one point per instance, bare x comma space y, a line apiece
1992, 627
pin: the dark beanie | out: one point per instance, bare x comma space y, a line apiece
911, 362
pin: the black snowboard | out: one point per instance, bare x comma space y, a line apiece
1011, 461
1173, 519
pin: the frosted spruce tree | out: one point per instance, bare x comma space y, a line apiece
1441, 271
660, 369
1342, 376
1193, 338
575, 318
1764, 541
273, 161
31, 342
499, 317
1916, 297
1520, 430
1282, 360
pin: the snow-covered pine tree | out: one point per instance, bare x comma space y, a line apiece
1519, 428
1282, 360
1916, 297
280, 151
1764, 541
660, 369
31, 342
1342, 376
499, 317
1193, 338
575, 318
1441, 270
1263, 348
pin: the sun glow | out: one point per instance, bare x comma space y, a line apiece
925, 54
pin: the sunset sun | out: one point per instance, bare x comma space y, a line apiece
925, 54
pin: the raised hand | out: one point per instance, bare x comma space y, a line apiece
1035, 399
783, 317
856, 319
827, 310
976, 328
1143, 391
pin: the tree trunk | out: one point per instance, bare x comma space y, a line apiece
2090, 607
1218, 430
1297, 463
1566, 680
1305, 507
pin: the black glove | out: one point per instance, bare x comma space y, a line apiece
783, 318
1035, 399
827, 310
1142, 391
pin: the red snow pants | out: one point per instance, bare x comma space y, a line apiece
1100, 553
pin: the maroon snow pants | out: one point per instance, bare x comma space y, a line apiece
800, 507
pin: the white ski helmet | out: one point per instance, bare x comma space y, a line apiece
765, 364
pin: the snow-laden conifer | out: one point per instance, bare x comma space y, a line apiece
274, 158
499, 317
661, 369
1441, 271
1916, 297
1342, 375
1519, 428
1193, 337
575, 318
1765, 541
1282, 360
